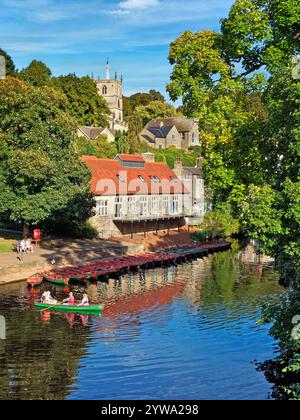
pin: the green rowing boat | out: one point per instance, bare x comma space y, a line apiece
70, 308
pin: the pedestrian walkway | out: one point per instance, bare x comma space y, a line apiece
58, 253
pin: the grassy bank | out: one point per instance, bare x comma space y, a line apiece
7, 240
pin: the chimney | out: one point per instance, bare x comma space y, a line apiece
178, 163
200, 160
148, 157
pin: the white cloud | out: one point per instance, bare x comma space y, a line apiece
138, 4
118, 12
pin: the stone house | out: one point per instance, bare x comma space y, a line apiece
162, 137
135, 195
165, 132
91, 133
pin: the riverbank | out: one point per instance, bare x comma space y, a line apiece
58, 254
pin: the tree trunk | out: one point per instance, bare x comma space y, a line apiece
26, 230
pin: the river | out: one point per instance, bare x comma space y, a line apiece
185, 332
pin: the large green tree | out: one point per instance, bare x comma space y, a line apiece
154, 110
141, 99
84, 102
40, 172
36, 74
250, 128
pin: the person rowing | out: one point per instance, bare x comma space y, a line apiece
84, 301
70, 300
48, 299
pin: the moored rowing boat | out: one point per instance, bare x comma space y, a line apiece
56, 280
35, 280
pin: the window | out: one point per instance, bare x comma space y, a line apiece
143, 206
193, 138
155, 179
118, 206
142, 178
174, 136
166, 204
121, 178
174, 204
104, 90
102, 208
154, 204
173, 178
131, 205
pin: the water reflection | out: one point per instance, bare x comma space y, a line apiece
182, 332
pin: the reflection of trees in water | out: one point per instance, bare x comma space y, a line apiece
224, 278
39, 361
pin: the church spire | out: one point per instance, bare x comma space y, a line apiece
107, 71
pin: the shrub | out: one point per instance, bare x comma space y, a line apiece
218, 224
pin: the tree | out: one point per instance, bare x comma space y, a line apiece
249, 125
155, 109
121, 141
260, 33
9, 64
84, 102
140, 99
135, 126
40, 171
36, 74
99, 147
156, 96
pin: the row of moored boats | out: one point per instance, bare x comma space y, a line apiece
101, 270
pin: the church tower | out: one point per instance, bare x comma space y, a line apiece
112, 91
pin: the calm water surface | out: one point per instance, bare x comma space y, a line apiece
186, 332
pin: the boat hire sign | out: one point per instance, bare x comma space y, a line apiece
37, 234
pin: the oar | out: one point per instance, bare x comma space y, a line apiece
54, 306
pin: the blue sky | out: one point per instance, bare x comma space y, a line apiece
76, 36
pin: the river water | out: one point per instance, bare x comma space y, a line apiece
185, 332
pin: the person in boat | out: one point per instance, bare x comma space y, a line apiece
48, 299
70, 300
84, 301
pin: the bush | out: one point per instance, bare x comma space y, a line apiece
86, 231
218, 224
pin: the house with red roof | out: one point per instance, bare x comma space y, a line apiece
134, 194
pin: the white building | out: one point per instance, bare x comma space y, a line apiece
134, 195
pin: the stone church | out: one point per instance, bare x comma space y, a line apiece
112, 91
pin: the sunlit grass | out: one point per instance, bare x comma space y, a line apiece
6, 245
7, 240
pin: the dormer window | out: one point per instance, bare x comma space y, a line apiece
121, 178
173, 178
142, 178
155, 179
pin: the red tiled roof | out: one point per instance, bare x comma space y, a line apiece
107, 176
130, 158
